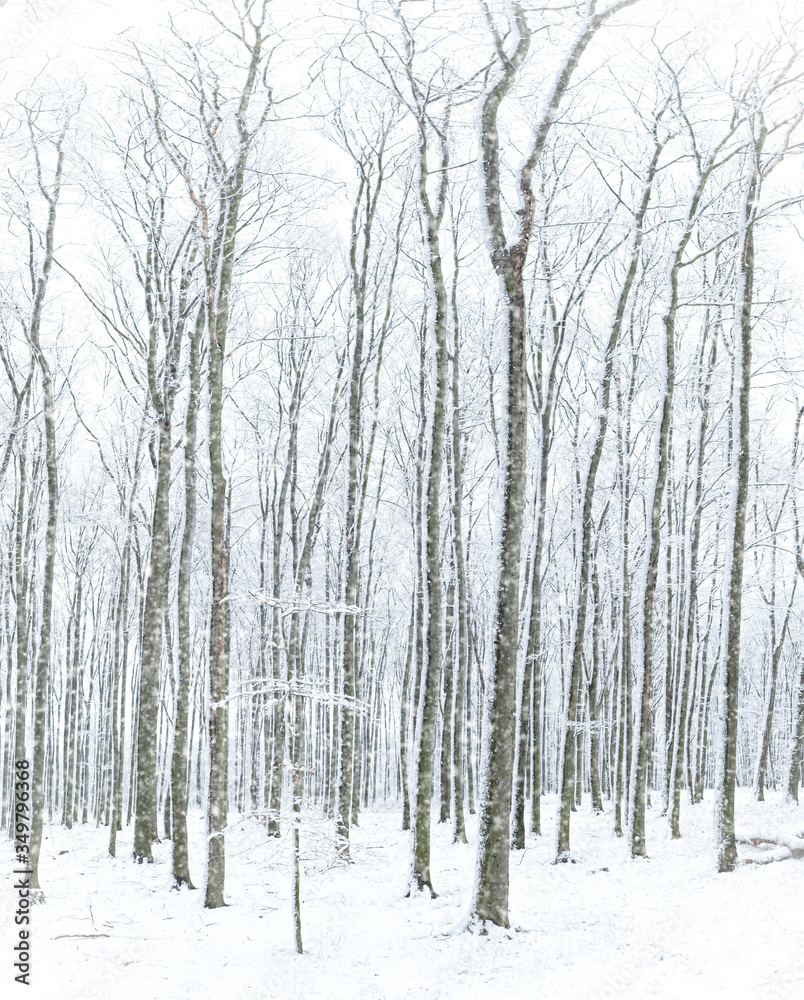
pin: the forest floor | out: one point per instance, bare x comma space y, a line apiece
604, 927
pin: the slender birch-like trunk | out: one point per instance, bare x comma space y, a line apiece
567, 758
679, 741
729, 669
642, 732
45, 634
431, 681
181, 749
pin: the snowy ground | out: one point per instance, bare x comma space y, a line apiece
603, 928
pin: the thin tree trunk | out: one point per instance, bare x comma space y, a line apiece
726, 760
567, 765
43, 657
692, 607
347, 715
181, 749
462, 652
431, 681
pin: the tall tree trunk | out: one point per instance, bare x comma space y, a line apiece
43, 656
567, 762
490, 902
145, 829
447, 715
729, 672
162, 392
796, 740
591, 688
21, 593
120, 655
777, 646
72, 690
403, 722
490, 899
181, 749
219, 273
642, 739
462, 651
218, 658
431, 681
532, 688
347, 715
679, 741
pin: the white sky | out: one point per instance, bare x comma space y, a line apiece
33, 31
73, 40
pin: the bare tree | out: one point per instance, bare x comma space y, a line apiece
490, 899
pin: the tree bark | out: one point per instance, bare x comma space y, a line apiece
43, 656
431, 681
181, 748
729, 672
567, 765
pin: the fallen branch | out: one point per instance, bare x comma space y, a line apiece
775, 847
58, 937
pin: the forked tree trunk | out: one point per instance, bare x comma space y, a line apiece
490, 899
219, 275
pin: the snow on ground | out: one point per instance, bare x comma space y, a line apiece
606, 927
